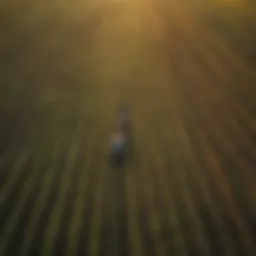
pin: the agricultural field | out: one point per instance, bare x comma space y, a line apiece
187, 70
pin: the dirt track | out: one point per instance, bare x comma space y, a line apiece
190, 188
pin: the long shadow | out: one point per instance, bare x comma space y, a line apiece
114, 231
